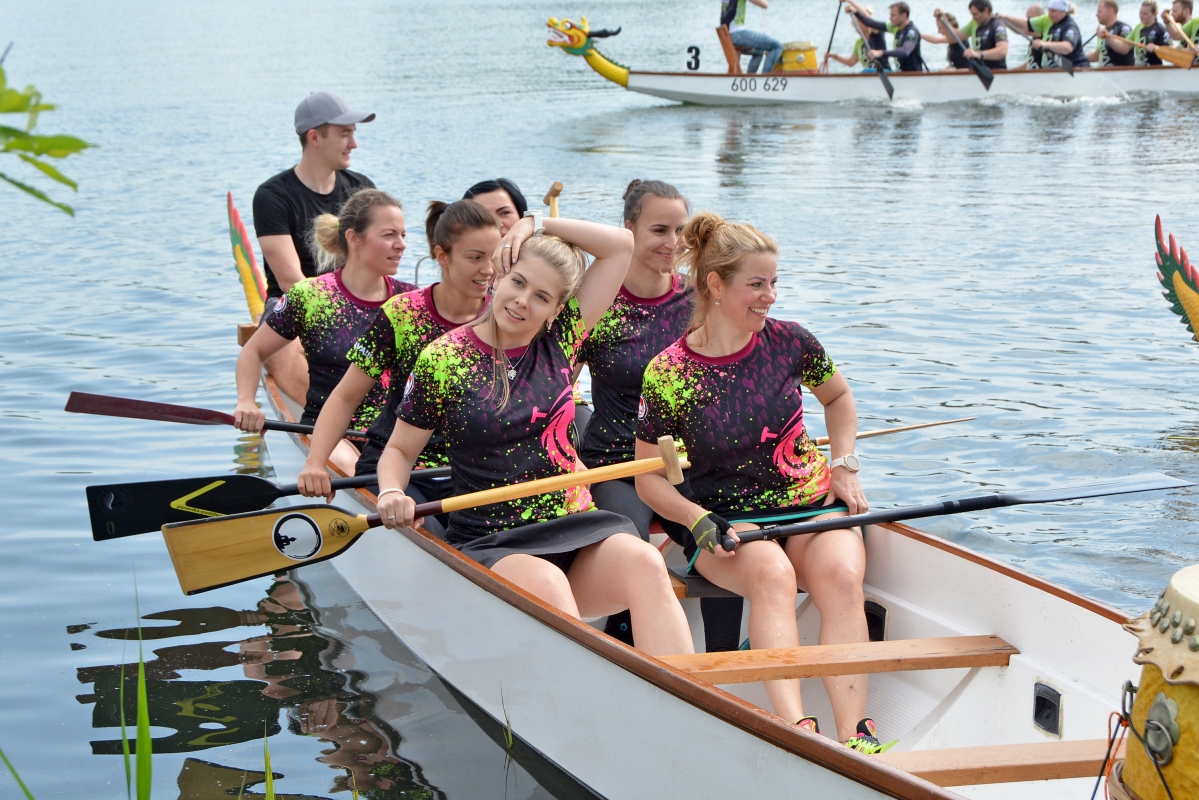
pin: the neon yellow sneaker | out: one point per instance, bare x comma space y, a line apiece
866, 740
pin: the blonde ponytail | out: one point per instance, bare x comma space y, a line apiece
711, 245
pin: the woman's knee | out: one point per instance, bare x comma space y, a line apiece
549, 583
772, 578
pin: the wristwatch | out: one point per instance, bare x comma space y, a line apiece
538, 225
850, 462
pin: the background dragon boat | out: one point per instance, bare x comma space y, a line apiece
780, 87
996, 682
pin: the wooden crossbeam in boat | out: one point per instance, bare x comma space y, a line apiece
815, 661
1004, 763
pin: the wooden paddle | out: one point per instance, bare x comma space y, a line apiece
878, 62
823, 440
1176, 56
551, 198
1146, 482
829, 49
127, 509
1185, 38
976, 64
211, 553
106, 406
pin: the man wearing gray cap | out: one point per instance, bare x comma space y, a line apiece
286, 205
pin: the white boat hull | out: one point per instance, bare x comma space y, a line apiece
922, 87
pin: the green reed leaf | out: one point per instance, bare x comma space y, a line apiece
49, 171
124, 732
38, 193
13, 770
144, 745
266, 757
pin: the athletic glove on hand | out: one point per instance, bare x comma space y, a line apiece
709, 531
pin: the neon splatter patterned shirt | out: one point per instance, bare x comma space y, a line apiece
450, 392
328, 320
620, 346
741, 418
388, 351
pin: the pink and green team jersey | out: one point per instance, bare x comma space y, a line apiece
741, 418
328, 320
451, 393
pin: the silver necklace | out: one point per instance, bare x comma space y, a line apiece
512, 366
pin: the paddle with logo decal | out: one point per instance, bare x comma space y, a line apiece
106, 406
211, 553
127, 509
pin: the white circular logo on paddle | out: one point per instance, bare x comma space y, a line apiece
297, 536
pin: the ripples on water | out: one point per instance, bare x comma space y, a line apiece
989, 259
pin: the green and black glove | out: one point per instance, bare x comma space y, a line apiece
710, 531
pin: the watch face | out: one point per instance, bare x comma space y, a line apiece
852, 463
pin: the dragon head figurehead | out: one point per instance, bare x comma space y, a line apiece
578, 39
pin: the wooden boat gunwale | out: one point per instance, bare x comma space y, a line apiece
937, 73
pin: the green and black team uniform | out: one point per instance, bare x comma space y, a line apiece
1109, 57
1064, 31
387, 352
328, 320
987, 37
453, 392
620, 347
1153, 34
1038, 59
906, 51
284, 206
878, 41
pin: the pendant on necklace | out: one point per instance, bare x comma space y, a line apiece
511, 374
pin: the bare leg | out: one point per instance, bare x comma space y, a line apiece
761, 573
539, 578
344, 457
831, 566
625, 572
289, 368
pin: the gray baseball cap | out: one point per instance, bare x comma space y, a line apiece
320, 108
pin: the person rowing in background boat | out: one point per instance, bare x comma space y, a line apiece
1181, 23
650, 313
906, 51
953, 52
1063, 39
1149, 32
500, 391
732, 16
985, 34
462, 236
731, 390
501, 197
1034, 24
1112, 53
362, 246
286, 205
877, 41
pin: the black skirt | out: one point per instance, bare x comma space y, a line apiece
556, 540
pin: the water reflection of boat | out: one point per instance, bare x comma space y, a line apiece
994, 680
813, 87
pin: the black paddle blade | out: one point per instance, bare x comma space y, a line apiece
983, 72
105, 406
1145, 482
1067, 65
886, 81
128, 509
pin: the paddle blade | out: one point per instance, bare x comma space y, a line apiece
1145, 482
128, 509
1176, 56
1067, 65
208, 554
886, 83
105, 406
983, 72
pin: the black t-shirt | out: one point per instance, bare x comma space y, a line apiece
907, 44
284, 206
987, 37
1154, 34
1109, 57
954, 55
1067, 31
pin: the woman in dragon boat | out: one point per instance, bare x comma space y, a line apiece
650, 313
730, 389
499, 391
359, 254
463, 236
501, 197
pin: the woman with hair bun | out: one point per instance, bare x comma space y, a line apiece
359, 254
501, 197
731, 390
500, 392
462, 236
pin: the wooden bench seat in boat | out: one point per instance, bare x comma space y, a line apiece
1005, 763
820, 660
732, 53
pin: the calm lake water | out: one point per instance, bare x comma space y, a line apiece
992, 259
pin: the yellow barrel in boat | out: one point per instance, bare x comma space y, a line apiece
798, 57
1166, 711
